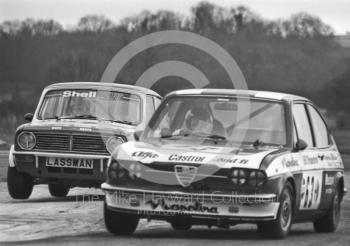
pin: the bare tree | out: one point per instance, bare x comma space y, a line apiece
95, 23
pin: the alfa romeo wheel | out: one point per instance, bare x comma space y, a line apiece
329, 222
280, 227
181, 224
58, 190
19, 185
119, 223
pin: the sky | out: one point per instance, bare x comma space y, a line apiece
333, 12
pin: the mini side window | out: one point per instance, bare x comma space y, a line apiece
319, 128
302, 123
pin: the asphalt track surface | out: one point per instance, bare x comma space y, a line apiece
78, 220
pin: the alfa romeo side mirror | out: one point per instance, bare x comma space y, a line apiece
300, 145
137, 135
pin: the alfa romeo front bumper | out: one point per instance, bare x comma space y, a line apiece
148, 203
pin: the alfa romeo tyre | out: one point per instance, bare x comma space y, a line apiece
329, 222
280, 227
20, 185
119, 223
180, 225
58, 190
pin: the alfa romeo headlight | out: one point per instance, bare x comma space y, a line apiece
116, 171
113, 142
257, 178
26, 140
238, 177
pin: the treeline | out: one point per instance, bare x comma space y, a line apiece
297, 54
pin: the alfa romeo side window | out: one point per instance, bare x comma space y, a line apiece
149, 107
302, 123
319, 128
156, 102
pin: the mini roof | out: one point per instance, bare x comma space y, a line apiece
101, 85
244, 93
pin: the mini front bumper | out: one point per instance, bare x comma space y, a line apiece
34, 164
148, 203
38, 154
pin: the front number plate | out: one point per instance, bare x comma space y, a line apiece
69, 162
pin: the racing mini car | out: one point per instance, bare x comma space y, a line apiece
69, 138
222, 157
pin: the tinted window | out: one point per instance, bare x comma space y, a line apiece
319, 128
302, 123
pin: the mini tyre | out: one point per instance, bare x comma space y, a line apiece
119, 223
329, 222
58, 190
19, 184
280, 227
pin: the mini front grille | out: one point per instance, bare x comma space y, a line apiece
68, 142
52, 142
89, 144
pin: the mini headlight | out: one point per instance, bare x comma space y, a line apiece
26, 140
238, 177
113, 142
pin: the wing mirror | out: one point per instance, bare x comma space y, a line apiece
28, 117
137, 135
300, 145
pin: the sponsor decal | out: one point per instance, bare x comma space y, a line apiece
333, 160
79, 94
233, 160
185, 174
189, 158
290, 163
196, 207
331, 157
311, 188
144, 154
308, 160
233, 209
329, 179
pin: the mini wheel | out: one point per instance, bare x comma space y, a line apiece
58, 190
19, 184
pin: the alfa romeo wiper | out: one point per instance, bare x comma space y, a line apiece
258, 143
181, 134
122, 121
215, 137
